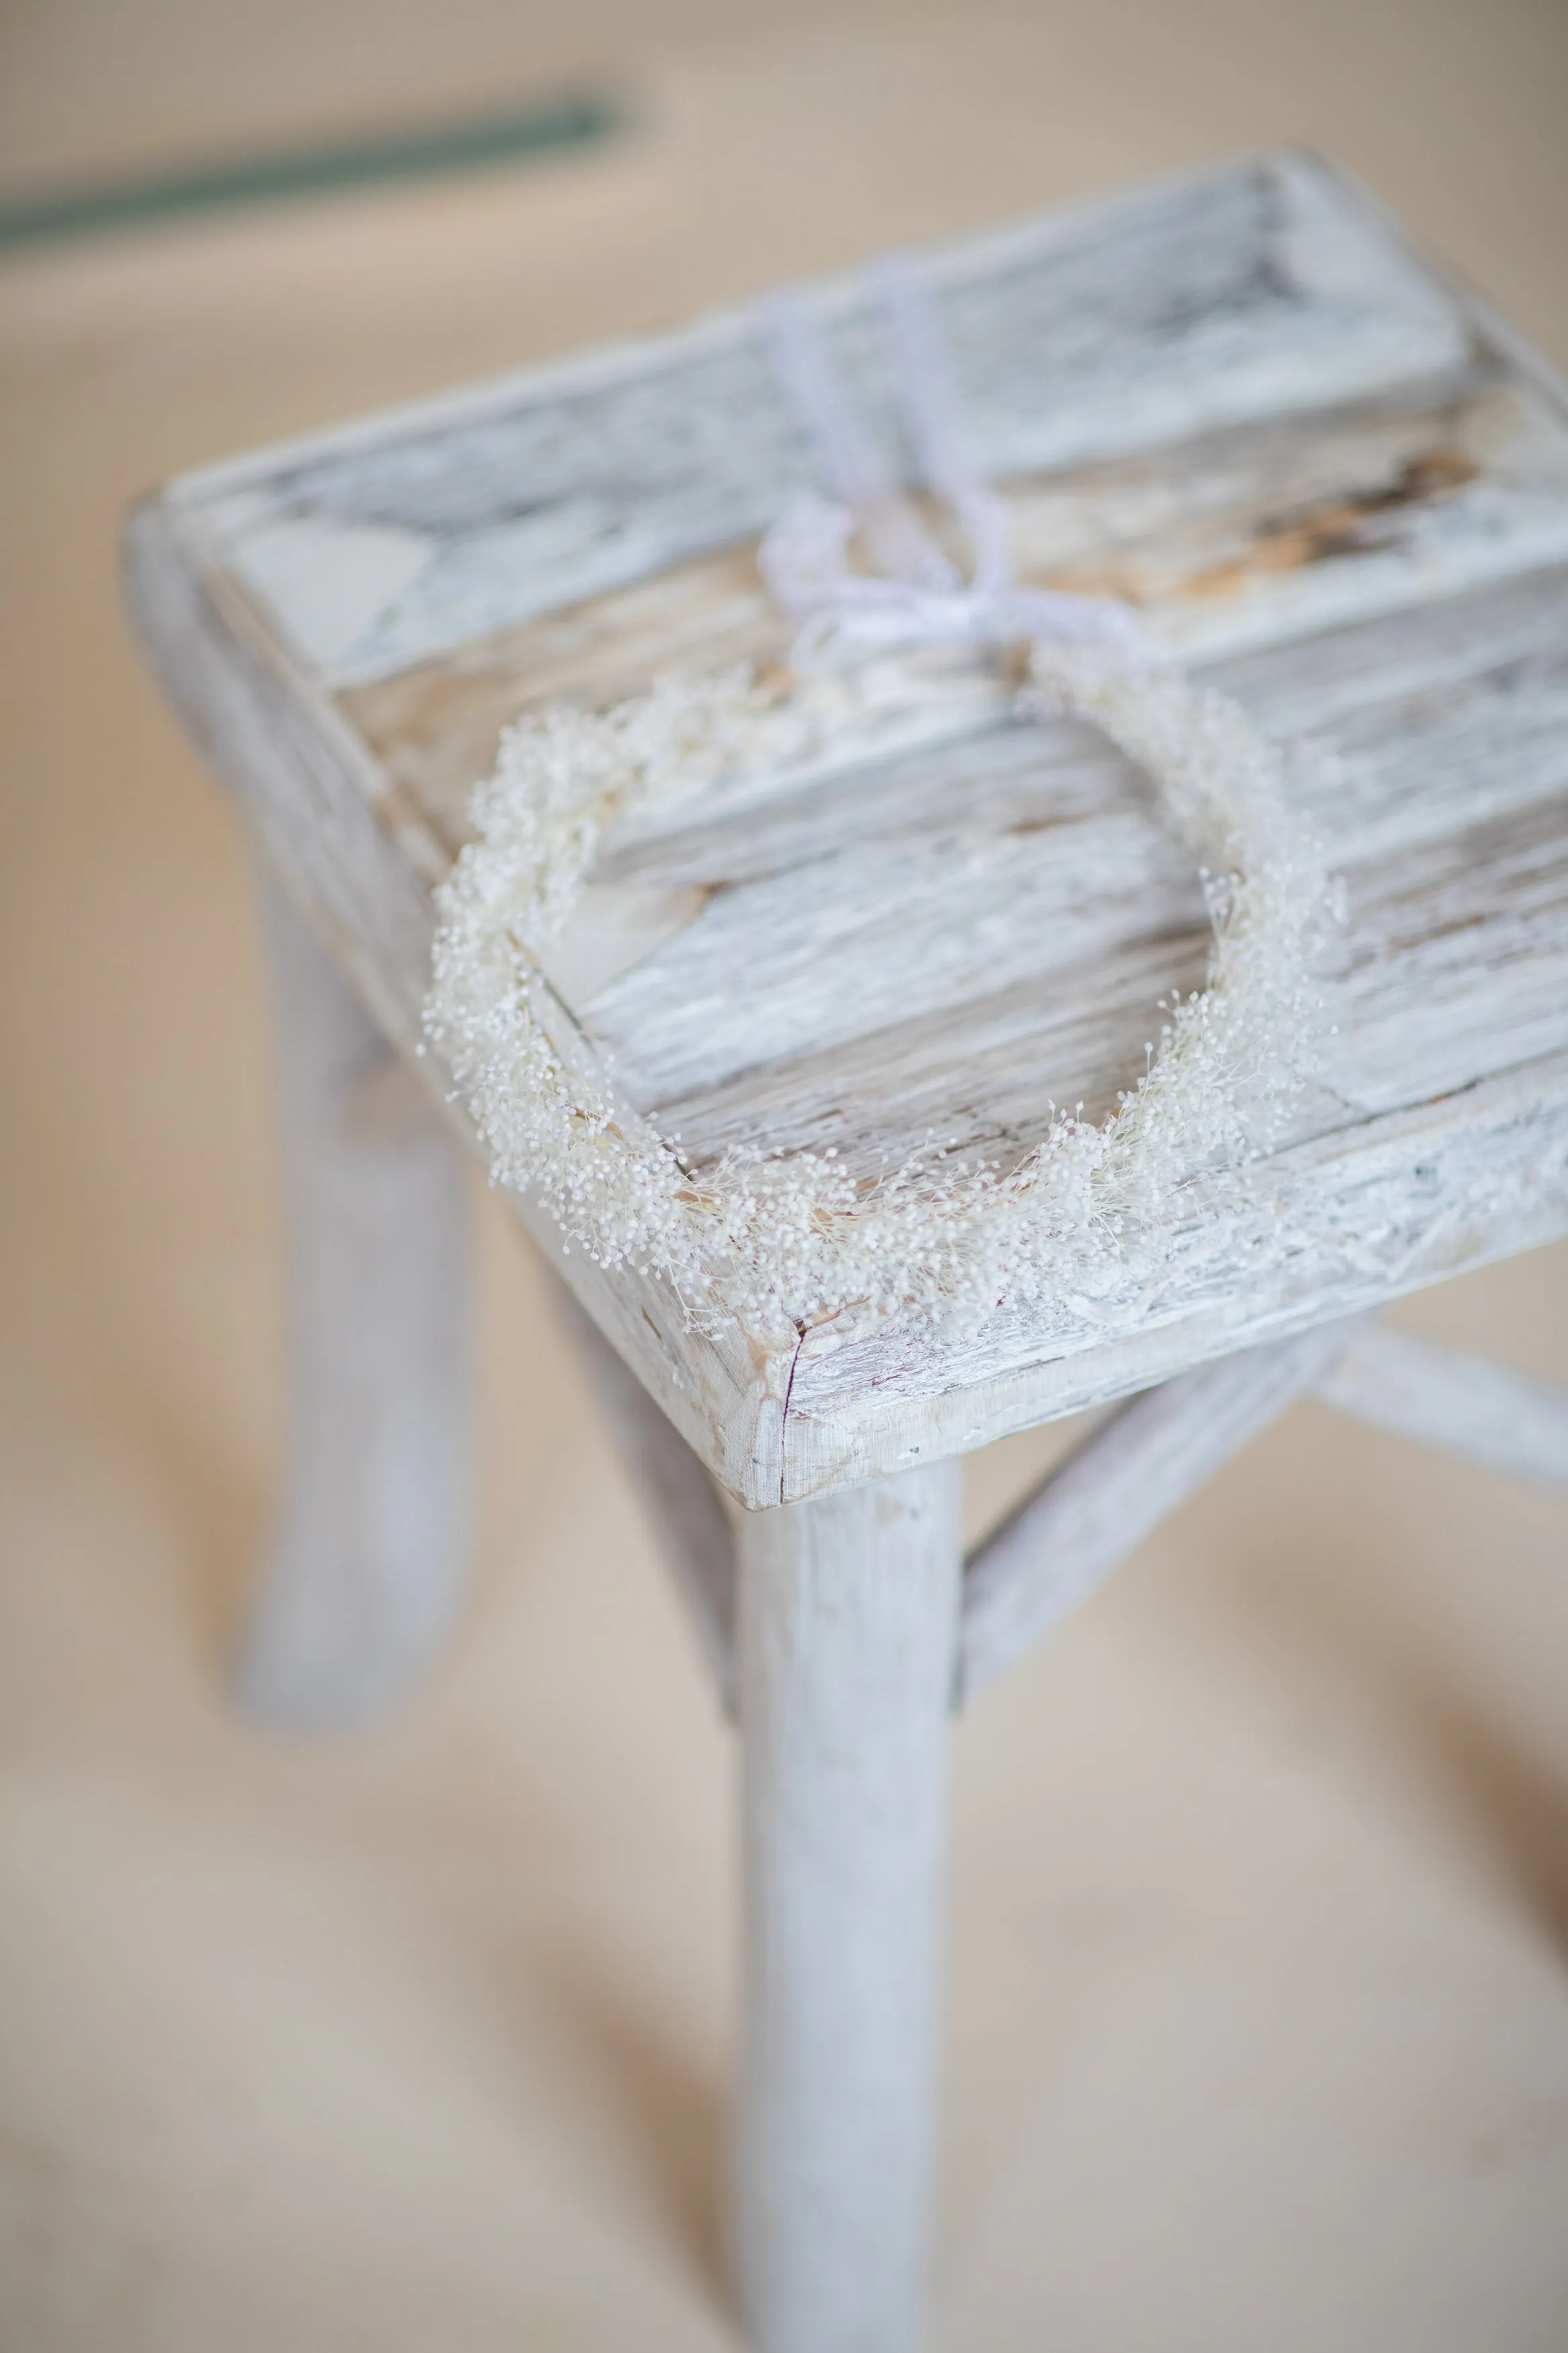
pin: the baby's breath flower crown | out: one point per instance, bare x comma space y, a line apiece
1080, 1214
1085, 1219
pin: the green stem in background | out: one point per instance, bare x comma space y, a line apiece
519, 135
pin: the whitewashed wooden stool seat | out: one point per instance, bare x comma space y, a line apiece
1332, 485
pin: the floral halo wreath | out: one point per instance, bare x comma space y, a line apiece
1089, 1212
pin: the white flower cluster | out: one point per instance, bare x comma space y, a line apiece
1081, 1217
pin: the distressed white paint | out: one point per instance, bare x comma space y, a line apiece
1327, 477
310, 788
1182, 309
1088, 1515
1482, 1412
364, 1567
938, 940
1400, 1201
1243, 538
849, 1609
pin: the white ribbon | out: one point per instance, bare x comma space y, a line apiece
915, 596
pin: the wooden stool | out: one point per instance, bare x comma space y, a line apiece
1340, 489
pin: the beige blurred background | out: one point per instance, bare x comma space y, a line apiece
418, 2044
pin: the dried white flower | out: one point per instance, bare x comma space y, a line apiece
1082, 1217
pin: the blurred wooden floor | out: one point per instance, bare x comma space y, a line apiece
1259, 2016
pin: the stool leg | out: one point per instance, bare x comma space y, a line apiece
363, 1567
848, 1620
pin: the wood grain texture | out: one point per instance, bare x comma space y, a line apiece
307, 787
1332, 487
1227, 539
849, 1609
1163, 312
1442, 1398
1424, 1194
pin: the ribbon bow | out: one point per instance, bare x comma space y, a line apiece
916, 595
